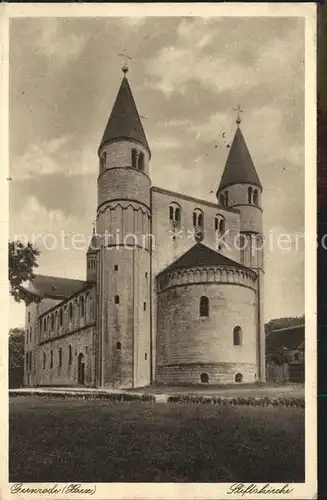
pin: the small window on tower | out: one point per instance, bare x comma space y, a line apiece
44, 360
51, 359
116, 299
116, 267
82, 307
29, 316
134, 158
60, 357
171, 212
250, 195
118, 346
146, 356
144, 306
255, 197
141, 162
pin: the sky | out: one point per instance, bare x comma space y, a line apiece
187, 75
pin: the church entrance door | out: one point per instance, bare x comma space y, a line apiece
81, 369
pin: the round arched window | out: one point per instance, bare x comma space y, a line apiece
237, 335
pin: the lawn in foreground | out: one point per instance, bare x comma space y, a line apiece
97, 441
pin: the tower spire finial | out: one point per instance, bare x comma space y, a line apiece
125, 65
238, 118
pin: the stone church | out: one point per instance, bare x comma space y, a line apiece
174, 284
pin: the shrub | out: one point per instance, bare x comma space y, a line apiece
239, 401
115, 397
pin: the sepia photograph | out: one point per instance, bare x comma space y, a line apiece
158, 184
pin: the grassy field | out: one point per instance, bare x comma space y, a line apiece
96, 441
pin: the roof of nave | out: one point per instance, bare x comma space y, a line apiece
201, 256
239, 168
285, 339
56, 288
124, 121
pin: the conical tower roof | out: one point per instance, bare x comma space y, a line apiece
239, 168
124, 121
94, 245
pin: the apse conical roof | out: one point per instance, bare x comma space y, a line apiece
202, 256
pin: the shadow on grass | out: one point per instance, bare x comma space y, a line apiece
96, 441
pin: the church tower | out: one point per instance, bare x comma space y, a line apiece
123, 266
240, 188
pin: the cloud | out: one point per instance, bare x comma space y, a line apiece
175, 123
235, 67
33, 219
57, 47
165, 143
211, 129
59, 155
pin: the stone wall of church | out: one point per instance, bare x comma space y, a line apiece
187, 339
118, 179
124, 314
195, 373
62, 370
32, 313
58, 324
124, 223
123, 184
250, 213
166, 249
118, 154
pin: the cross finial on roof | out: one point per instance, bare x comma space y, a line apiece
125, 65
238, 118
